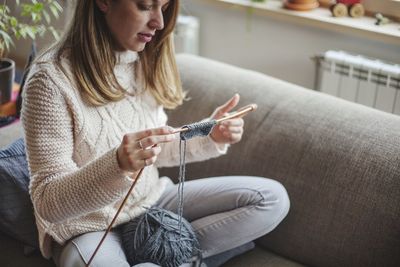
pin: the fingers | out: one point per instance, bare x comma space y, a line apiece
228, 106
161, 131
150, 137
155, 140
233, 126
232, 130
140, 149
237, 122
144, 157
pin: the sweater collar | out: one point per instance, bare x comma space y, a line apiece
126, 57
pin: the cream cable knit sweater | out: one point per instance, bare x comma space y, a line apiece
76, 184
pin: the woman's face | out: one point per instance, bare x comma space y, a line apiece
133, 23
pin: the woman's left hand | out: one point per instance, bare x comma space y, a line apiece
229, 131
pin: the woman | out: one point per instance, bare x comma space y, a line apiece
93, 117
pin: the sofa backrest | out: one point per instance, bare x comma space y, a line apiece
339, 161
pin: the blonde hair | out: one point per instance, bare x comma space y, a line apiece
92, 58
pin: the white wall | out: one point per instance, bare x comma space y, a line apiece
279, 48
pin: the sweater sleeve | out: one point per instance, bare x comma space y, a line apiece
59, 189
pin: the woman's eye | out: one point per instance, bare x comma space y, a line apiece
145, 7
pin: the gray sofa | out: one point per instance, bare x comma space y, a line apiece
339, 161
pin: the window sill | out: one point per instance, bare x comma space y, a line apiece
322, 18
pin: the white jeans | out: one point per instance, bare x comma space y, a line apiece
225, 212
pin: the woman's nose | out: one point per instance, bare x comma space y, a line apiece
157, 20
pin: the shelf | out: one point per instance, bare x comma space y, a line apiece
322, 18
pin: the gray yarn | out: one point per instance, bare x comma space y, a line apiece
161, 236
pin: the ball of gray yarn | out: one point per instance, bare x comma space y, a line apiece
156, 236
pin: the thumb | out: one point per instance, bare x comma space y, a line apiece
228, 106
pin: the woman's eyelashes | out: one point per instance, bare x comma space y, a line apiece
145, 6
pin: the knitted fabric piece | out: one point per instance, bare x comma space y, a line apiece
198, 129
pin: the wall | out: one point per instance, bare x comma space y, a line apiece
279, 48
275, 47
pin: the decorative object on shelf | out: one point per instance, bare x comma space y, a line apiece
381, 20
301, 5
33, 20
326, 3
353, 8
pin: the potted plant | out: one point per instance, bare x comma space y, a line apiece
32, 20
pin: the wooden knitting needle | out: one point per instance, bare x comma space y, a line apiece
239, 113
136, 178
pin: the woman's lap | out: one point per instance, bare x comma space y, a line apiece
225, 212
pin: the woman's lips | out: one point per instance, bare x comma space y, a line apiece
145, 37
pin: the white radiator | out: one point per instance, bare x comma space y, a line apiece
356, 78
186, 35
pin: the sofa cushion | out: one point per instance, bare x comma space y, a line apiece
12, 255
261, 257
339, 162
16, 211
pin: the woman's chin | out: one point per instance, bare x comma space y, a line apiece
138, 47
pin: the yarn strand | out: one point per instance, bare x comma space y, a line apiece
182, 172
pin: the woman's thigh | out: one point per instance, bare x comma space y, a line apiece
79, 250
230, 211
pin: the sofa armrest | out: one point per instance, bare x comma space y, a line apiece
338, 160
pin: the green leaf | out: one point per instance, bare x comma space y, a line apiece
54, 10
4, 9
38, 7
26, 10
57, 5
13, 22
6, 40
31, 32
46, 16
34, 17
55, 33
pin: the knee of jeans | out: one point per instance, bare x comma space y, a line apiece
70, 257
275, 200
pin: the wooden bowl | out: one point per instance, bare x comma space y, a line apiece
300, 7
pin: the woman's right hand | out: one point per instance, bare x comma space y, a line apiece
140, 149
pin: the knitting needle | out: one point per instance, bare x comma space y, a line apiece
115, 216
239, 113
